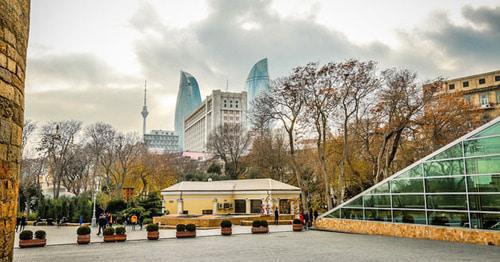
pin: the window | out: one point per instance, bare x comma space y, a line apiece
484, 99
497, 78
482, 81
255, 206
465, 84
451, 86
498, 97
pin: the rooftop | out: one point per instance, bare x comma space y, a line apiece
265, 184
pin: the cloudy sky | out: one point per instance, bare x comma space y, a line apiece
88, 59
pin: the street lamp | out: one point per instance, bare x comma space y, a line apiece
94, 220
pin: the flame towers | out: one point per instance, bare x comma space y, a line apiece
188, 99
257, 82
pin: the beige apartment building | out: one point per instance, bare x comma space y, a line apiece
481, 90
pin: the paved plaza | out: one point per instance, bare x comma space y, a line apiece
279, 246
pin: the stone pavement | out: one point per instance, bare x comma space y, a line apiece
282, 246
67, 234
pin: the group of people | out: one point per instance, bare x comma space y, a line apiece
21, 223
106, 220
307, 218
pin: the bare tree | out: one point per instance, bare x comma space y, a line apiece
100, 138
284, 103
76, 175
355, 80
228, 142
57, 139
127, 149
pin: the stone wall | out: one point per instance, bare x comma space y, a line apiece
454, 234
14, 28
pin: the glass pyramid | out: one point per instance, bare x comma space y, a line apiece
456, 186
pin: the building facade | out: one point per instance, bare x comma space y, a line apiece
245, 196
188, 99
217, 109
257, 81
162, 141
456, 186
482, 91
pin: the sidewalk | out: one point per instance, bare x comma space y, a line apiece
67, 234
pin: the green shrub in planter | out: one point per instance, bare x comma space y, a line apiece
256, 223
152, 227
40, 234
263, 223
226, 224
26, 235
120, 230
109, 231
147, 221
181, 228
83, 230
297, 222
191, 227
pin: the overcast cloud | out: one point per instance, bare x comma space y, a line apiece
100, 78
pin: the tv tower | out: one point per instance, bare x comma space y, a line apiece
144, 112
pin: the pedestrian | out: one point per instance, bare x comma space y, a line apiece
301, 217
311, 216
276, 215
23, 222
315, 215
110, 220
18, 223
81, 220
102, 223
133, 221
306, 220
141, 221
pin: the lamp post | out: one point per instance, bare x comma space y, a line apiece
93, 223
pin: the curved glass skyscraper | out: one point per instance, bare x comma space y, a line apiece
188, 99
257, 82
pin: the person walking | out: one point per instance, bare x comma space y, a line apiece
133, 221
316, 215
102, 223
276, 216
301, 217
311, 217
18, 223
141, 221
110, 219
306, 220
23, 223
81, 220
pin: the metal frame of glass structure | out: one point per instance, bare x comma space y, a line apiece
458, 186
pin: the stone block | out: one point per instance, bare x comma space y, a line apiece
6, 90
11, 65
3, 60
5, 132
9, 37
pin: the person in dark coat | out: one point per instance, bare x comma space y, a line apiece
276, 215
102, 221
141, 221
306, 220
23, 223
316, 215
18, 223
311, 217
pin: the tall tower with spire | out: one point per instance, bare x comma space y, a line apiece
144, 112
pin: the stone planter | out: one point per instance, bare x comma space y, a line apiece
298, 227
153, 235
110, 238
32, 243
121, 238
185, 234
226, 231
83, 239
260, 230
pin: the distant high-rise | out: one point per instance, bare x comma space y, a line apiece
144, 112
188, 99
257, 81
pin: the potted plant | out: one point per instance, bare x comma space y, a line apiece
297, 225
260, 226
120, 235
83, 233
153, 233
226, 228
109, 234
26, 239
185, 231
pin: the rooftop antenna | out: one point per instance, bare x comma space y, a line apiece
144, 111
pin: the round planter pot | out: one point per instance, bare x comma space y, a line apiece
260, 230
226, 231
153, 235
121, 238
298, 227
32, 243
110, 238
83, 239
185, 234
